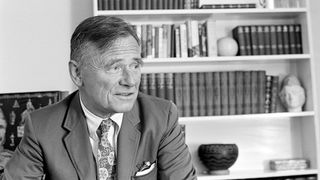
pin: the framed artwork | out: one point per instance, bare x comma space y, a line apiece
15, 109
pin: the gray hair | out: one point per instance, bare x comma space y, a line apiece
95, 34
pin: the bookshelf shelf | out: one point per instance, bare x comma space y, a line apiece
278, 135
217, 59
271, 116
258, 174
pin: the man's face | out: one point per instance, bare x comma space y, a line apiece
113, 86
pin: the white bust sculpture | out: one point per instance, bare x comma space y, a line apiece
292, 94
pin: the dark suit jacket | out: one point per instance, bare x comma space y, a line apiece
56, 143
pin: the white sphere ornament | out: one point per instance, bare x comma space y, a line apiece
227, 46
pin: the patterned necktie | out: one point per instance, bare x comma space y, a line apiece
106, 152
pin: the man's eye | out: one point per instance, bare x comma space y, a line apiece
135, 66
114, 69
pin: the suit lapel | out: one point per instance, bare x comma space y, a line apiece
128, 141
77, 141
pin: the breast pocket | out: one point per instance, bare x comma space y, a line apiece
150, 176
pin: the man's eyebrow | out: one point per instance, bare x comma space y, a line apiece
139, 60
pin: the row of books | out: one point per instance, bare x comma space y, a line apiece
189, 39
147, 4
268, 39
300, 177
286, 3
228, 6
215, 93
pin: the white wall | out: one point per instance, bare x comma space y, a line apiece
34, 43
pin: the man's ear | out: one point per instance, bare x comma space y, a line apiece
74, 71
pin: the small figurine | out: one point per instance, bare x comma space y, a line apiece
292, 94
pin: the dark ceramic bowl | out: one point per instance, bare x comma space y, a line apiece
218, 158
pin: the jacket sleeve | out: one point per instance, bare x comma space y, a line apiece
27, 160
174, 159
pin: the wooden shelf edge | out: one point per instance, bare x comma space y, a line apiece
246, 116
199, 11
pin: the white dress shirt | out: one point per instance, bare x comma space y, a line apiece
94, 122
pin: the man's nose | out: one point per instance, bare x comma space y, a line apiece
128, 77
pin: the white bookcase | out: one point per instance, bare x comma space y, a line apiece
260, 137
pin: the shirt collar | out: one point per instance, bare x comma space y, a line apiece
94, 121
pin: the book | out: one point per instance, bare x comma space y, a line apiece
261, 40
274, 93
169, 89
247, 92
267, 37
228, 6
123, 4
261, 91
216, 94
152, 84
224, 94
178, 92
286, 43
298, 38
254, 40
268, 79
194, 94
144, 83
183, 40
149, 41
279, 35
211, 38
292, 39
273, 40
239, 92
247, 40
160, 84
254, 92
193, 38
232, 92
209, 93
177, 42
186, 94
238, 35
202, 93
144, 41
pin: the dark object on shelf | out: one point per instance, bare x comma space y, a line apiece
16, 108
218, 158
228, 6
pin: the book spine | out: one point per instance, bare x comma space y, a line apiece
254, 40
142, 4
136, 4
211, 38
156, 42
267, 42
177, 42
298, 38
152, 86
195, 52
203, 37
209, 93
130, 4
268, 79
232, 92
202, 93
144, 41
261, 91
194, 94
224, 93
178, 92
149, 41
261, 42
169, 86
123, 4
254, 92
247, 36
216, 94
111, 5
239, 92
247, 92
186, 94
105, 5
238, 35
160, 84
144, 83
279, 33
100, 4
183, 40
274, 93
292, 40
273, 39
286, 43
